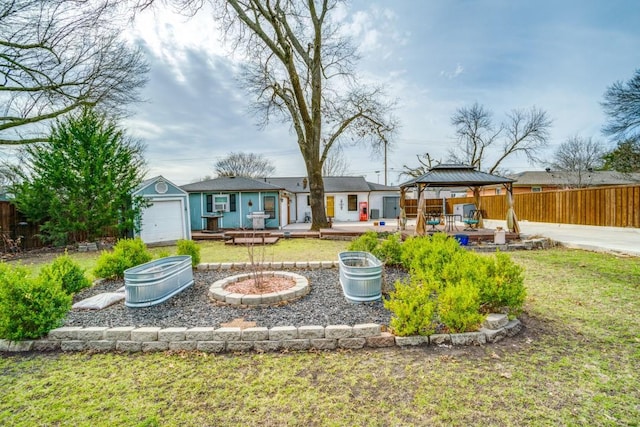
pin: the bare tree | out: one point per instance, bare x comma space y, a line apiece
57, 56
523, 132
299, 65
335, 164
250, 165
622, 106
578, 157
425, 164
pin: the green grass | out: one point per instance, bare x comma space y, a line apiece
576, 363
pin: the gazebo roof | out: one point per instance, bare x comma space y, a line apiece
449, 175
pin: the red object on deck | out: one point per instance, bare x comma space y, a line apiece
364, 215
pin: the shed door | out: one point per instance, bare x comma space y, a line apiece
390, 207
162, 222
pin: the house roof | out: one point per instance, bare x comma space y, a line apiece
448, 175
231, 183
562, 178
332, 184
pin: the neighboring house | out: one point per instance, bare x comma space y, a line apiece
166, 219
227, 202
550, 180
347, 198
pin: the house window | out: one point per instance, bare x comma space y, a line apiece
352, 204
308, 200
270, 206
232, 202
536, 189
498, 191
217, 203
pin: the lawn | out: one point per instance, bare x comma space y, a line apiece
576, 363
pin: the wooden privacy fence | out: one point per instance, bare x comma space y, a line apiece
604, 206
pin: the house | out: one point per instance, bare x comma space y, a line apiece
229, 202
550, 180
166, 219
347, 198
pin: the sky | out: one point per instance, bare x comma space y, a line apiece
433, 57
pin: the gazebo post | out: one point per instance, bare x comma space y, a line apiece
477, 200
512, 218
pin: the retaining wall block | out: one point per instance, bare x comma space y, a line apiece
302, 264
44, 345
92, 333
513, 327
73, 345
101, 345
385, 339
327, 264
183, 345
211, 346
120, 333
315, 265
281, 333
288, 264
338, 331
129, 346
201, 333
172, 334
366, 330
64, 333
494, 335
267, 346
227, 334
324, 343
4, 345
239, 346
296, 344
276, 265
352, 343
20, 346
311, 332
149, 346
468, 338
202, 267
271, 298
226, 265
252, 299
147, 333
412, 340
235, 299
495, 321
440, 339
255, 334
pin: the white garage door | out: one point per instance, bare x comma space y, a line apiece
162, 222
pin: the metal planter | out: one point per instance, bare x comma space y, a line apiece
360, 276
157, 281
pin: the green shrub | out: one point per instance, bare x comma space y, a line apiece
30, 307
413, 308
189, 247
505, 288
389, 250
163, 253
126, 253
67, 272
367, 242
459, 307
425, 257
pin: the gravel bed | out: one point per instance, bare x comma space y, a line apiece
324, 305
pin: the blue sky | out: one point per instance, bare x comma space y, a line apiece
432, 56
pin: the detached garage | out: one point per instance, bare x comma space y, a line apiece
167, 218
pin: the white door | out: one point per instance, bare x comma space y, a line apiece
162, 222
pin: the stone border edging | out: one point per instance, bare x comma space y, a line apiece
218, 293
259, 339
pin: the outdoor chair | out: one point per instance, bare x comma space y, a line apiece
471, 221
433, 219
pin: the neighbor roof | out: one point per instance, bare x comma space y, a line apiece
231, 183
448, 175
332, 184
555, 178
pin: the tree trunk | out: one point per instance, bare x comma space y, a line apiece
316, 190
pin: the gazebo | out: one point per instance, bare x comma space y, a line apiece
458, 175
